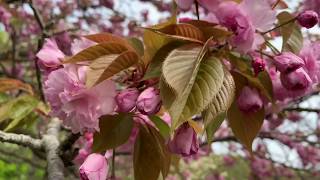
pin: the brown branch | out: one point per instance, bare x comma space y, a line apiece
302, 109
40, 43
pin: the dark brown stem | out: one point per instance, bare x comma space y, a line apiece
197, 9
40, 43
280, 25
113, 172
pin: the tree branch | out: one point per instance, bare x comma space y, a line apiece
20, 139
51, 144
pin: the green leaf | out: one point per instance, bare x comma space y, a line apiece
106, 66
221, 102
154, 68
4, 40
194, 79
115, 130
97, 51
163, 127
16, 110
151, 155
137, 45
292, 39
214, 125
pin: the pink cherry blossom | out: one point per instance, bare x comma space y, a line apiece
287, 62
249, 100
244, 19
77, 106
95, 167
184, 4
5, 17
149, 101
296, 80
126, 99
81, 44
311, 56
50, 56
184, 141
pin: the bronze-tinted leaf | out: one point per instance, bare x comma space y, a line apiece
97, 51
151, 155
115, 130
245, 126
106, 66
185, 32
7, 84
107, 37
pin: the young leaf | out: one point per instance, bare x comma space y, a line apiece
185, 32
178, 67
221, 102
245, 126
7, 84
163, 127
108, 37
154, 41
194, 79
17, 109
97, 51
155, 65
115, 130
106, 66
214, 125
137, 44
292, 39
151, 155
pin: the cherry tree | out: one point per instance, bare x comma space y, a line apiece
101, 82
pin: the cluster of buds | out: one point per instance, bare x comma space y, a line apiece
147, 102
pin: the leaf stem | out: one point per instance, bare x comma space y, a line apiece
197, 9
280, 25
113, 171
275, 4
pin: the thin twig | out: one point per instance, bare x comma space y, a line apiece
113, 172
280, 25
275, 4
197, 9
40, 43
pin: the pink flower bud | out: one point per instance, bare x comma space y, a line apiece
308, 19
184, 141
296, 80
126, 99
184, 4
258, 65
288, 62
95, 167
107, 3
149, 101
249, 100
